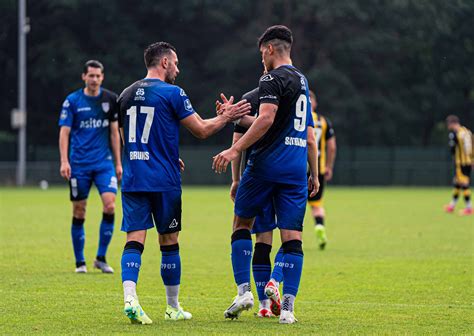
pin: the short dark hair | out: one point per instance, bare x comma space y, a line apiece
280, 35
92, 64
155, 51
452, 119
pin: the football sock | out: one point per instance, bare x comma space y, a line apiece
261, 268
456, 192
288, 302
319, 220
277, 274
129, 288
131, 263
171, 273
105, 235
467, 197
242, 258
292, 266
78, 240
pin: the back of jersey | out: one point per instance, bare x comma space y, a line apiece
281, 154
150, 112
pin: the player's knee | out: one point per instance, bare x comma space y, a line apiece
241, 234
109, 208
261, 255
168, 239
293, 246
79, 210
134, 245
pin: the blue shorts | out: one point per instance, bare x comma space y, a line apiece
289, 201
102, 175
266, 221
143, 210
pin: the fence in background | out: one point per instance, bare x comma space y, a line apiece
404, 166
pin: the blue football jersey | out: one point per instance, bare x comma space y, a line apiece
281, 154
89, 118
150, 112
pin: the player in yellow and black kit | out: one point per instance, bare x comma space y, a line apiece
326, 140
461, 143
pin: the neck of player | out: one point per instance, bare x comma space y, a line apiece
279, 61
155, 74
91, 92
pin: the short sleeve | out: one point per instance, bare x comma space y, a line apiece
181, 104
309, 115
269, 89
114, 108
66, 116
330, 130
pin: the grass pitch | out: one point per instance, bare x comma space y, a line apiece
395, 264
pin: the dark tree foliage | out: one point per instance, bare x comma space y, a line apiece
386, 72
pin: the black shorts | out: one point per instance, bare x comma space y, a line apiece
317, 199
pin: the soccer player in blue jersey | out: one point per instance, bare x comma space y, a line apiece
151, 112
264, 223
87, 139
276, 170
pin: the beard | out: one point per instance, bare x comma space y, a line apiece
169, 78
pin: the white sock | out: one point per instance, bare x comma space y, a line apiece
129, 288
288, 302
453, 202
172, 293
243, 288
469, 204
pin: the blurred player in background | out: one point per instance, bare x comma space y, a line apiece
460, 142
151, 111
276, 170
87, 139
326, 139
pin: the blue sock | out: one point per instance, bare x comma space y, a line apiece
261, 268
292, 266
105, 235
170, 265
241, 255
131, 261
78, 240
277, 273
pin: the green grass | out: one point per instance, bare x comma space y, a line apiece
395, 264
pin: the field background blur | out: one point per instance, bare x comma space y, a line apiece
385, 72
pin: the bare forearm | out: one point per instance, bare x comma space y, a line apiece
246, 121
115, 143
235, 164
313, 158
64, 145
332, 150
259, 127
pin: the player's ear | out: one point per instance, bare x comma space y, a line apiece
83, 76
164, 62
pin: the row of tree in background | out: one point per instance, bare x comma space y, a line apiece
386, 72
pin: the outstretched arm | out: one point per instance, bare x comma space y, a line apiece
204, 128
260, 126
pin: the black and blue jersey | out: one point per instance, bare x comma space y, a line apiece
281, 154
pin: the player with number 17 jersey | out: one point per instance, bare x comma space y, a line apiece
150, 114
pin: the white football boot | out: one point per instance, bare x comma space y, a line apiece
240, 303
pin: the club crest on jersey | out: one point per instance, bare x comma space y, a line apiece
105, 107
66, 103
187, 105
266, 78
